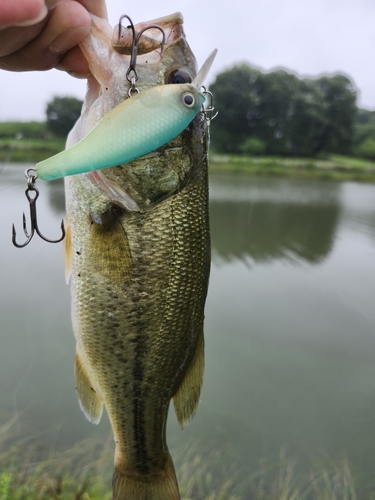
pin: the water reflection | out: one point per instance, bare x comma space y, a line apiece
265, 231
266, 219
290, 348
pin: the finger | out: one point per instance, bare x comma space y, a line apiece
68, 25
21, 12
96, 7
75, 63
14, 38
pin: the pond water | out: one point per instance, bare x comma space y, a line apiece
290, 324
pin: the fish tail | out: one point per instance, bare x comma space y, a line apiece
161, 486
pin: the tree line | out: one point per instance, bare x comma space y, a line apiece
278, 113
61, 115
260, 113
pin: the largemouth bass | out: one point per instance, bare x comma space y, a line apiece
138, 257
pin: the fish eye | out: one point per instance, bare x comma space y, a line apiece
188, 99
179, 76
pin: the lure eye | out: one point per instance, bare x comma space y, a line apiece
188, 99
179, 76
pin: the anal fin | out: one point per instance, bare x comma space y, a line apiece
90, 402
186, 398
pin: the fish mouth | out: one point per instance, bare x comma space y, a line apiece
152, 39
172, 25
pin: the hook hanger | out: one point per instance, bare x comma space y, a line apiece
31, 179
209, 110
133, 58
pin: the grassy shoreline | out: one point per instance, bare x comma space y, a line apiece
202, 475
21, 150
32, 470
334, 167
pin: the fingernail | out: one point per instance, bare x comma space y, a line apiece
68, 40
80, 76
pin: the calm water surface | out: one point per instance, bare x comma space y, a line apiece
290, 324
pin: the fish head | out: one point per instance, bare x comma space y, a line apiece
108, 54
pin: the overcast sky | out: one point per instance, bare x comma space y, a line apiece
308, 37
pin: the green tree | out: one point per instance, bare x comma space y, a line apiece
288, 115
62, 113
276, 111
339, 97
237, 94
366, 149
364, 131
306, 119
253, 146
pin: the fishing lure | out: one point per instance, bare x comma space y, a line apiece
132, 129
135, 127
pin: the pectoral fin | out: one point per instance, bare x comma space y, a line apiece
90, 402
187, 396
109, 247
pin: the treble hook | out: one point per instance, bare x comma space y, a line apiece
31, 178
133, 58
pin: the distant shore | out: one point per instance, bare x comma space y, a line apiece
333, 167
24, 150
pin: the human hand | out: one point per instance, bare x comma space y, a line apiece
43, 34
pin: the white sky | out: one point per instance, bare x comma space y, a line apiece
308, 37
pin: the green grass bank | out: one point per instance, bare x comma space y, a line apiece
341, 168
31, 471
84, 473
25, 150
